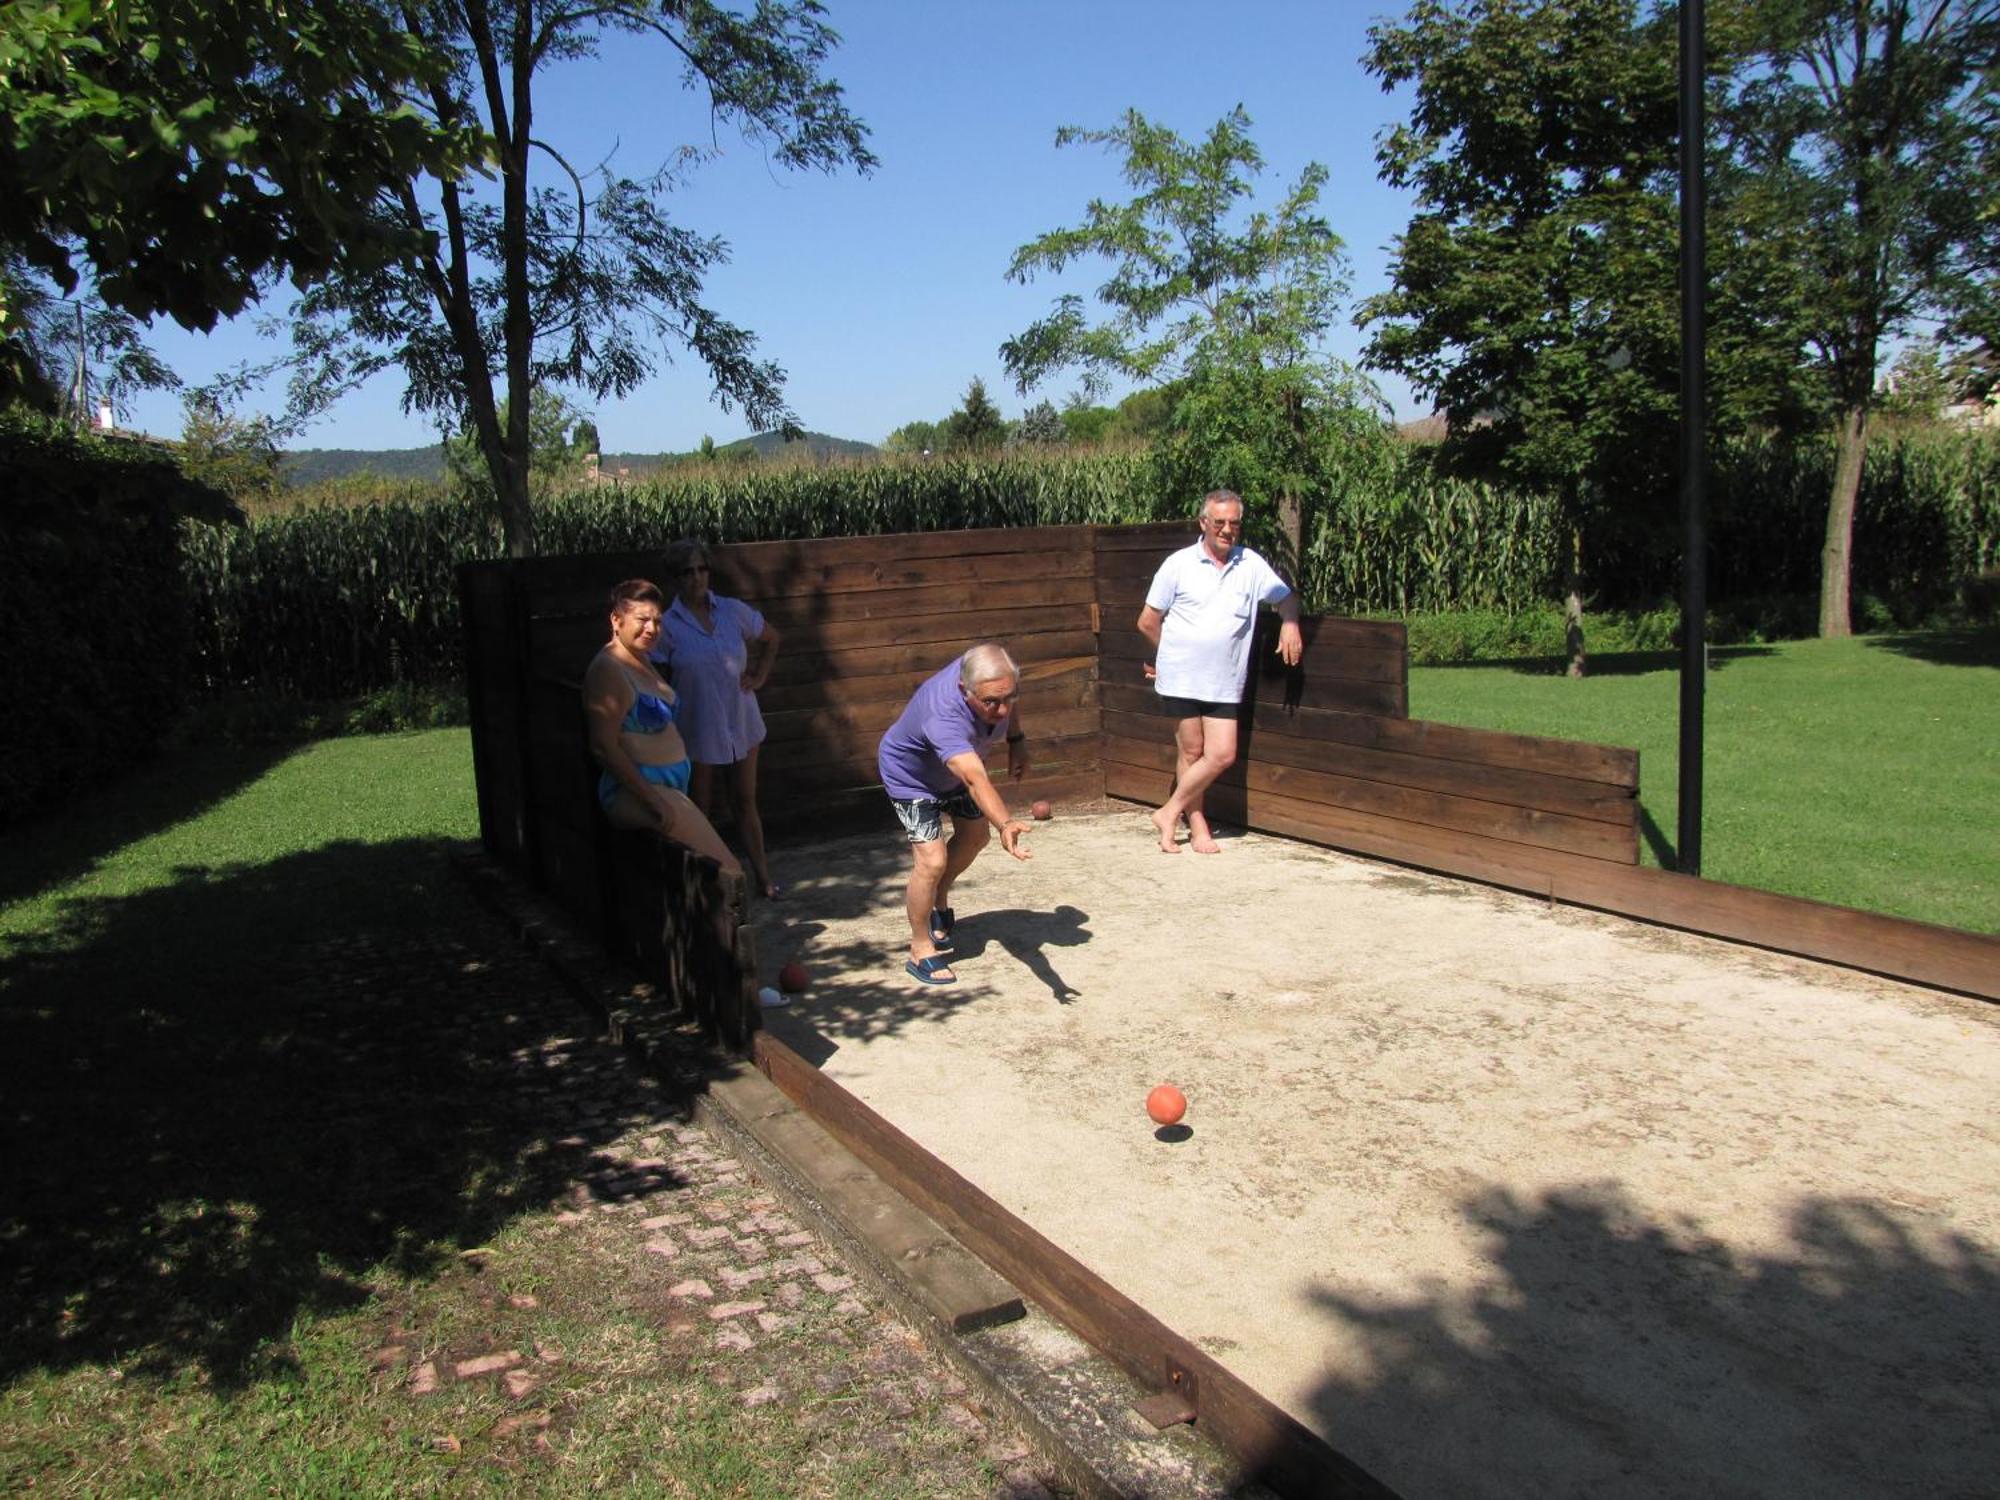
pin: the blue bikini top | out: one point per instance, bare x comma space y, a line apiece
650, 714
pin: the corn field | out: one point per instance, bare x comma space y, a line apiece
330, 601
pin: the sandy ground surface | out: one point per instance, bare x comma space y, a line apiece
1501, 1198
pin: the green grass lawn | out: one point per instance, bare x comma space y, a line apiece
263, 1113
1864, 772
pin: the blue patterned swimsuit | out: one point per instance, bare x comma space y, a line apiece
649, 714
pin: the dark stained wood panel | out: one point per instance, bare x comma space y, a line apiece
1511, 865
1138, 537
1465, 814
1033, 592
1058, 680
774, 570
1577, 759
836, 741
988, 625
1918, 952
1584, 799
1895, 946
1063, 757
1376, 661
923, 657
1073, 690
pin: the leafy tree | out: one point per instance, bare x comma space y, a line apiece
553, 456
1919, 386
189, 150
1085, 423
1041, 426
1872, 125
1534, 294
916, 437
550, 286
236, 456
584, 441
66, 354
977, 424
1201, 290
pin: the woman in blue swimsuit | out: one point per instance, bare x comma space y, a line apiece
631, 711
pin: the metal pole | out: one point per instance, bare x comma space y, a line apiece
1694, 461
80, 387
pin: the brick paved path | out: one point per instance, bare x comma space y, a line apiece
653, 1244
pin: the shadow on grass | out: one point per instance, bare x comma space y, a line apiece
1945, 648
1604, 1351
1609, 663
1657, 840
231, 1100
63, 843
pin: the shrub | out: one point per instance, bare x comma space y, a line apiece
94, 612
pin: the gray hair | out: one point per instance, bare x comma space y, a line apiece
1211, 497
984, 662
680, 554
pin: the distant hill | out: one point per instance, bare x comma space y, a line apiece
807, 445
317, 465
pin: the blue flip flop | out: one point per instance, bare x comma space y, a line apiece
942, 922
926, 969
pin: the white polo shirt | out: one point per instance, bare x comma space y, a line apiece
1211, 612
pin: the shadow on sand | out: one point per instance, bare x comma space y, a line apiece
1607, 1353
859, 988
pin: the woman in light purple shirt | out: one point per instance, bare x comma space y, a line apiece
718, 651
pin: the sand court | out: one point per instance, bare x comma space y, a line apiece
1499, 1197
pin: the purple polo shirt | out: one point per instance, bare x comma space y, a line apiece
937, 724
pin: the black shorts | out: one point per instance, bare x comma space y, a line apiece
1197, 708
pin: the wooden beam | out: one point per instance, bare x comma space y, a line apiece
1272, 1446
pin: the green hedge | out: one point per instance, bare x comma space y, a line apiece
331, 602
95, 614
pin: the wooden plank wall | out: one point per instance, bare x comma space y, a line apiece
496, 685
1329, 753
864, 620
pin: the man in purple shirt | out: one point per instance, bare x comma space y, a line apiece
933, 762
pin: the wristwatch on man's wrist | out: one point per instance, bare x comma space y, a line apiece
1015, 739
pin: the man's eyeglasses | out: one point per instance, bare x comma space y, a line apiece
693, 568
995, 703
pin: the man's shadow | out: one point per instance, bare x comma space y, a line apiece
1024, 935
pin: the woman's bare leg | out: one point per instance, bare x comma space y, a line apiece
750, 823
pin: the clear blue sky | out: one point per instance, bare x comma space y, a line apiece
883, 296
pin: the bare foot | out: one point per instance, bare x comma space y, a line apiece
1165, 827
1199, 838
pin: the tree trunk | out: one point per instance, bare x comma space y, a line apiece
1292, 527
1573, 603
516, 325
1291, 506
1836, 557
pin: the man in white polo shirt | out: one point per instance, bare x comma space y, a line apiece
1200, 614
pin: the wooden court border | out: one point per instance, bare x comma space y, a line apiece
1272, 1447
